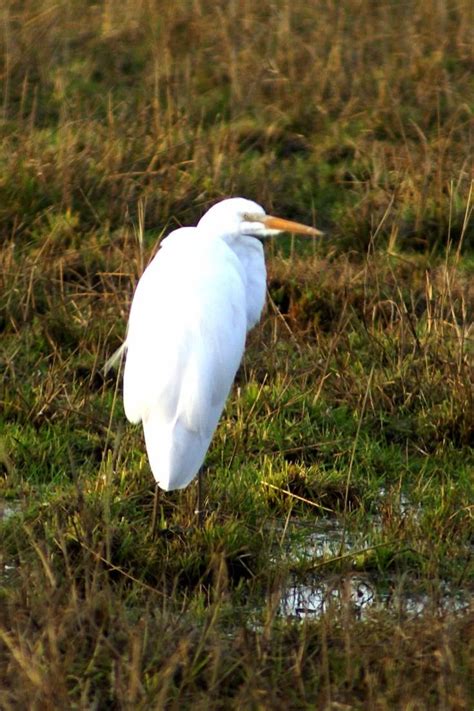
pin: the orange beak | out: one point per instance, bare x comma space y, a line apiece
277, 223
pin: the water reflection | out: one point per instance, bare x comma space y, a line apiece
303, 600
8, 509
360, 596
360, 593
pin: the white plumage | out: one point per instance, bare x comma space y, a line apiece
191, 311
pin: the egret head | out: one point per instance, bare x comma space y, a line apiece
237, 216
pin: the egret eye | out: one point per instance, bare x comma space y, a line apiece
252, 217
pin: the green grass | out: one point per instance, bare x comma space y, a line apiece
344, 459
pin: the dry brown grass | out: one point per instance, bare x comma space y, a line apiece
357, 112
121, 120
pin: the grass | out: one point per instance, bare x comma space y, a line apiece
351, 419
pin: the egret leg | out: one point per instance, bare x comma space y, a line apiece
199, 510
154, 517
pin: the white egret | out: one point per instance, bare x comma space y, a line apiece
189, 317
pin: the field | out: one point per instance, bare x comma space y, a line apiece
335, 568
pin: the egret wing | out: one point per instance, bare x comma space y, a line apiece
185, 341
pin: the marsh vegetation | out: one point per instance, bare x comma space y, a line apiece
335, 567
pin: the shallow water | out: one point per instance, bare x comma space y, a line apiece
326, 537
361, 593
9, 508
362, 596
